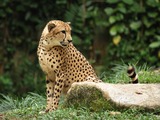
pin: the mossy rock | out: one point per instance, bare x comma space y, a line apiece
87, 96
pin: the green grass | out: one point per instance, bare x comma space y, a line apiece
145, 74
28, 108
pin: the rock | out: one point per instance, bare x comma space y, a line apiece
121, 95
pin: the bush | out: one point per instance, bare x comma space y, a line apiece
106, 31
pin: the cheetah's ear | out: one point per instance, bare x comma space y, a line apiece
68, 23
51, 26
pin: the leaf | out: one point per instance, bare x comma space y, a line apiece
27, 16
119, 17
112, 19
61, 2
116, 39
113, 30
157, 37
121, 7
9, 10
137, 8
159, 54
34, 5
121, 28
112, 1
152, 3
109, 10
118, 28
152, 14
155, 44
146, 22
135, 25
129, 2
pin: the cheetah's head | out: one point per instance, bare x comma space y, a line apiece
56, 33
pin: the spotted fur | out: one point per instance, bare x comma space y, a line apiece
61, 62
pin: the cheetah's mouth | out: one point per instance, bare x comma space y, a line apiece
63, 44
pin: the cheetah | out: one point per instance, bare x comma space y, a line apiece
61, 62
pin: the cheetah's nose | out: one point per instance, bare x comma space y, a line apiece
69, 41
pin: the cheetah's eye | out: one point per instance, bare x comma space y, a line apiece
63, 31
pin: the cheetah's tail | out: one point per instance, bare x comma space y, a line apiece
132, 74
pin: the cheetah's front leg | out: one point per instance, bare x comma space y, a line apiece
59, 84
49, 92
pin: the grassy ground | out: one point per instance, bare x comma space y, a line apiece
29, 107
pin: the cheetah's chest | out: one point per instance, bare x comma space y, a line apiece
50, 61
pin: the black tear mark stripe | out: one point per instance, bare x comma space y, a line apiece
47, 81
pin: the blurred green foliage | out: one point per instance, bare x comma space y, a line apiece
130, 28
